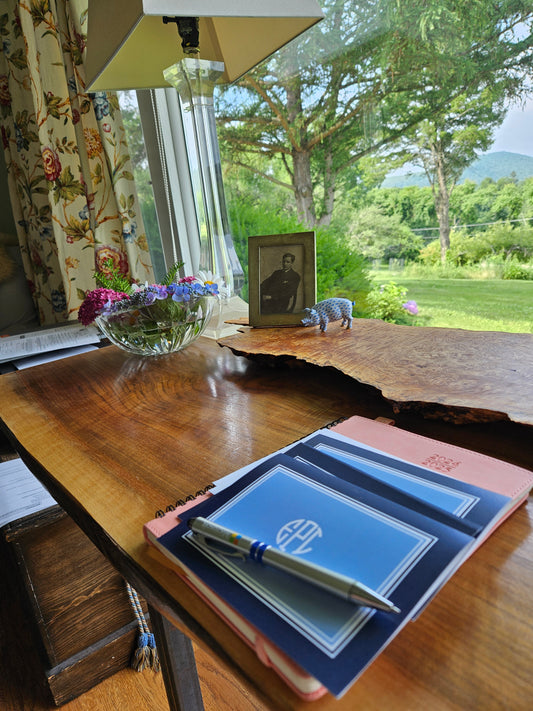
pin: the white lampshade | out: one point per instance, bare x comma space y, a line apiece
129, 46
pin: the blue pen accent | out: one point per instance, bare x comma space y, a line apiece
253, 550
262, 548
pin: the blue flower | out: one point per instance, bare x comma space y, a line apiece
71, 83
100, 103
84, 213
59, 302
181, 293
211, 289
160, 291
129, 231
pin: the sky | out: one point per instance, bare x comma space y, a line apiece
516, 132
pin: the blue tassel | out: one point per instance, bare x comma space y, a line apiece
146, 653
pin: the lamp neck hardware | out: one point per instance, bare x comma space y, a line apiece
188, 31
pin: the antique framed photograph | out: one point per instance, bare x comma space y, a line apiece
281, 278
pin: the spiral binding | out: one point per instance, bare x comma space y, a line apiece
181, 502
201, 492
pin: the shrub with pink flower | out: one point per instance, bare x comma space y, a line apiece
386, 302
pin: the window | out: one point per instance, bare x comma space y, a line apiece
155, 137
316, 138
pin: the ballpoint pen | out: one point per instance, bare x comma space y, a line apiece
336, 583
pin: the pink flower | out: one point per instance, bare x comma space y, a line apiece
117, 256
411, 306
95, 301
106, 127
5, 96
51, 164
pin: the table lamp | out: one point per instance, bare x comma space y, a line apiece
135, 44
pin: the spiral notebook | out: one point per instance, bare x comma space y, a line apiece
310, 666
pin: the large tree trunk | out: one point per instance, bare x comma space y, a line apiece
329, 187
300, 154
303, 187
442, 205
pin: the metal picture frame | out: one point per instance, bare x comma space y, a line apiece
281, 278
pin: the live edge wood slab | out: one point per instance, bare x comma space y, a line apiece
451, 374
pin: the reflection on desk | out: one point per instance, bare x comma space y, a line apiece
115, 437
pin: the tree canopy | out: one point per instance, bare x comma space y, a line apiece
359, 80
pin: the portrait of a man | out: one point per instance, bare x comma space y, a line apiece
279, 291
281, 278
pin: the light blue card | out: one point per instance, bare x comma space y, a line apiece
439, 494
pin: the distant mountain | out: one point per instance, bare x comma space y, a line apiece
500, 164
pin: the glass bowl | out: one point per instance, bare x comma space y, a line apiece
162, 327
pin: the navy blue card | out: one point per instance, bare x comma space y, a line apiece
474, 505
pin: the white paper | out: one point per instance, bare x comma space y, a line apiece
21, 493
46, 340
29, 362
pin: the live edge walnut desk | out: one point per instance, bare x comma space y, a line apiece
116, 437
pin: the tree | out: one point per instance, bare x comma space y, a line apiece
379, 236
360, 79
501, 43
445, 145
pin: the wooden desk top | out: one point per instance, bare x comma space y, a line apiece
116, 437
461, 376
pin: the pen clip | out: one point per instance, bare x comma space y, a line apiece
218, 547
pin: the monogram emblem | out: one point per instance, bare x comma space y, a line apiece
295, 537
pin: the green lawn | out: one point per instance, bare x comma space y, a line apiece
475, 304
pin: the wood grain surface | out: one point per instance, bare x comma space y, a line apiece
115, 437
463, 376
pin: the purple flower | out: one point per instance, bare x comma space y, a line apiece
149, 297
411, 306
160, 290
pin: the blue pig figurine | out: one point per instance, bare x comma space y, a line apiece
329, 310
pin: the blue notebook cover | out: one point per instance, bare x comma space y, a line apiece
422, 503
474, 505
296, 507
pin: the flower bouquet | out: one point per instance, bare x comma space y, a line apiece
152, 319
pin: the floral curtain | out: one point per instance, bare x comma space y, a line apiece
69, 172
